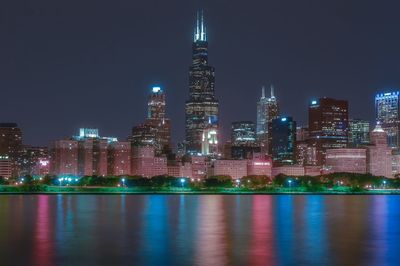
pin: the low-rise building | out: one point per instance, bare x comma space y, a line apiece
233, 168
347, 160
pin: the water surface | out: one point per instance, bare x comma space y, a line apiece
199, 230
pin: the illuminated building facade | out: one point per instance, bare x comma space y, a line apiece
34, 160
327, 125
202, 108
156, 130
283, 144
64, 157
346, 160
379, 153
358, 132
5, 166
267, 110
243, 140
119, 158
387, 114
234, 168
11, 144
92, 152
145, 163
259, 165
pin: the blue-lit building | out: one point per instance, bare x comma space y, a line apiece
387, 114
202, 108
328, 125
283, 144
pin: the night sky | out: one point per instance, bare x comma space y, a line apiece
71, 64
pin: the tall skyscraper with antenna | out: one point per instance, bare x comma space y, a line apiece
202, 108
267, 110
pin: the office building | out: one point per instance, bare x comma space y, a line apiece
379, 153
5, 166
327, 125
358, 133
64, 157
387, 114
119, 158
283, 144
346, 160
243, 140
267, 110
202, 108
11, 144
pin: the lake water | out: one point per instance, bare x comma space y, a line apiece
199, 230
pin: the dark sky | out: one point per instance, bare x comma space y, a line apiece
69, 64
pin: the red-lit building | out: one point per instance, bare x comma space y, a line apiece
259, 165
347, 160
64, 157
145, 163
234, 168
119, 158
379, 154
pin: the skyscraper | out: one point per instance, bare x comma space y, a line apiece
267, 110
283, 144
11, 144
327, 125
358, 132
156, 130
243, 140
202, 108
387, 108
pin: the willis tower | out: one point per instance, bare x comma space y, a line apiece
202, 108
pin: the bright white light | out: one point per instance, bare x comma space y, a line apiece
182, 180
156, 89
314, 102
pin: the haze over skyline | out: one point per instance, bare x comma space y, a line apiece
92, 64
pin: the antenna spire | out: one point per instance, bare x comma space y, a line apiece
262, 92
200, 31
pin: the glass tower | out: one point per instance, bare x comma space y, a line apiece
267, 110
387, 114
202, 108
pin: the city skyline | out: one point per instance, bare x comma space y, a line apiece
53, 97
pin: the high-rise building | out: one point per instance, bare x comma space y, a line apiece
267, 110
327, 125
34, 160
119, 158
156, 130
92, 152
379, 154
387, 108
11, 144
243, 140
358, 132
283, 144
5, 166
202, 108
64, 157
157, 119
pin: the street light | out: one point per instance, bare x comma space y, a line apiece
384, 183
290, 183
182, 181
123, 182
238, 182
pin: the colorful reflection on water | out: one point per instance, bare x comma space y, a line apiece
199, 230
